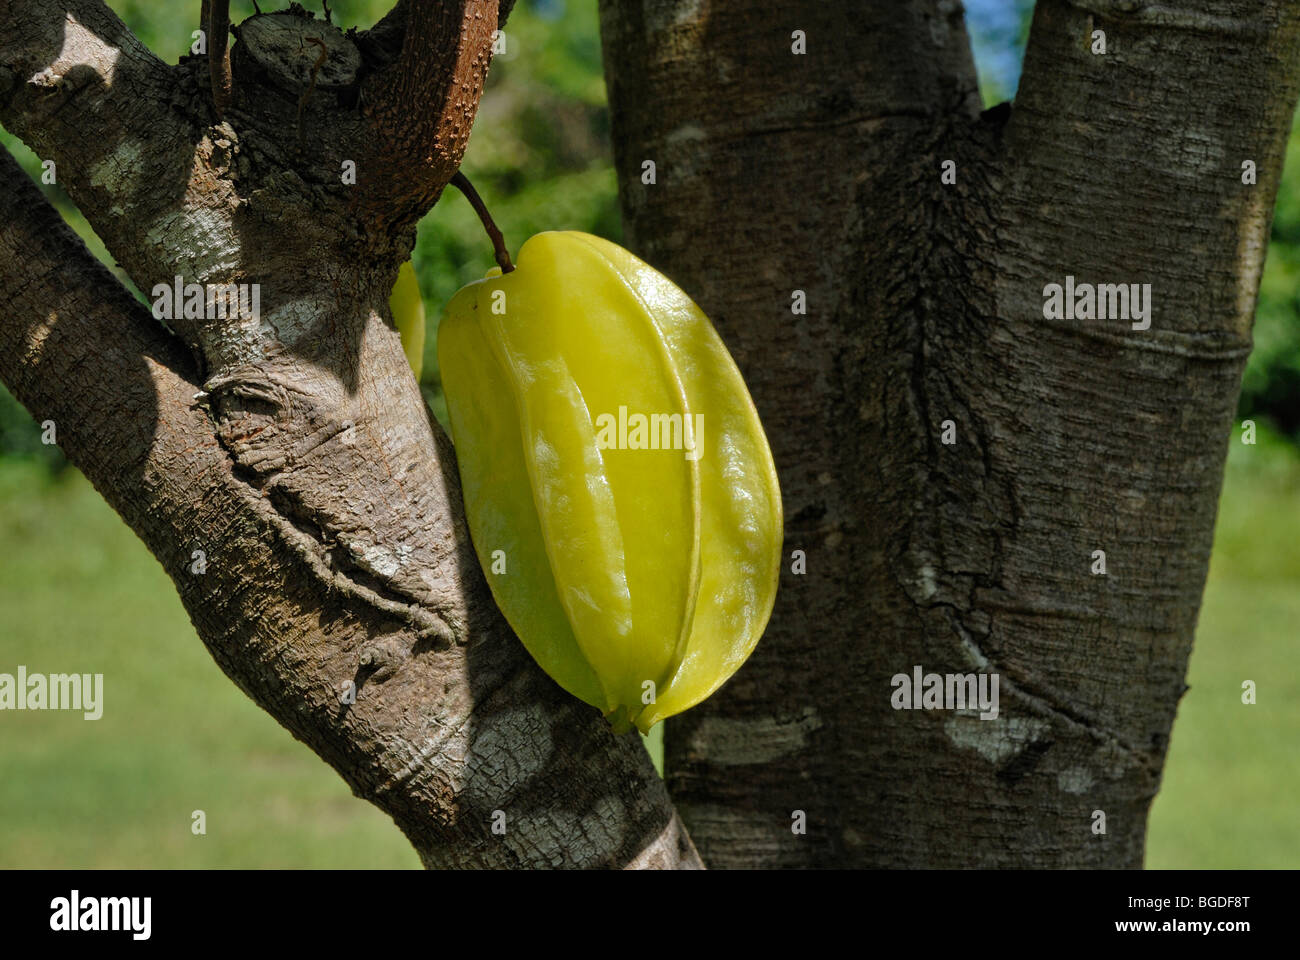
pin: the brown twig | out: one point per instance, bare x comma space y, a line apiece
461, 183
218, 27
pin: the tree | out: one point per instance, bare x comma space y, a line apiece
951, 458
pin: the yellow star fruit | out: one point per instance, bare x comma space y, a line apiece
620, 491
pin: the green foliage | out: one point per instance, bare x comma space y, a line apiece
1271, 385
20, 436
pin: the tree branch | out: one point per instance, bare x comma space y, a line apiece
388, 31
78, 349
811, 152
421, 107
1155, 178
82, 91
218, 27
70, 69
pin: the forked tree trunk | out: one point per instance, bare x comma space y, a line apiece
292, 455
821, 172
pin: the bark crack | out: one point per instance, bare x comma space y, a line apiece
945, 284
306, 533
1047, 705
1172, 343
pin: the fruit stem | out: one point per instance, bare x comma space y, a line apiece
461, 182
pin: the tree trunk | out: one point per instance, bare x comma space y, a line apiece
952, 459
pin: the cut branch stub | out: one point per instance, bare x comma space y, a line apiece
275, 42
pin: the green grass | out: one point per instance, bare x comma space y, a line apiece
79, 592
1229, 796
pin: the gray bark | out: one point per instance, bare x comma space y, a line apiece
296, 452
778, 172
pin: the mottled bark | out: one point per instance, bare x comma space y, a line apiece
291, 453
821, 172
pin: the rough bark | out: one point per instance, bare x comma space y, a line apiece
293, 451
778, 172
440, 66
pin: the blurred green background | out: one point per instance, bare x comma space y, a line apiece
79, 592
